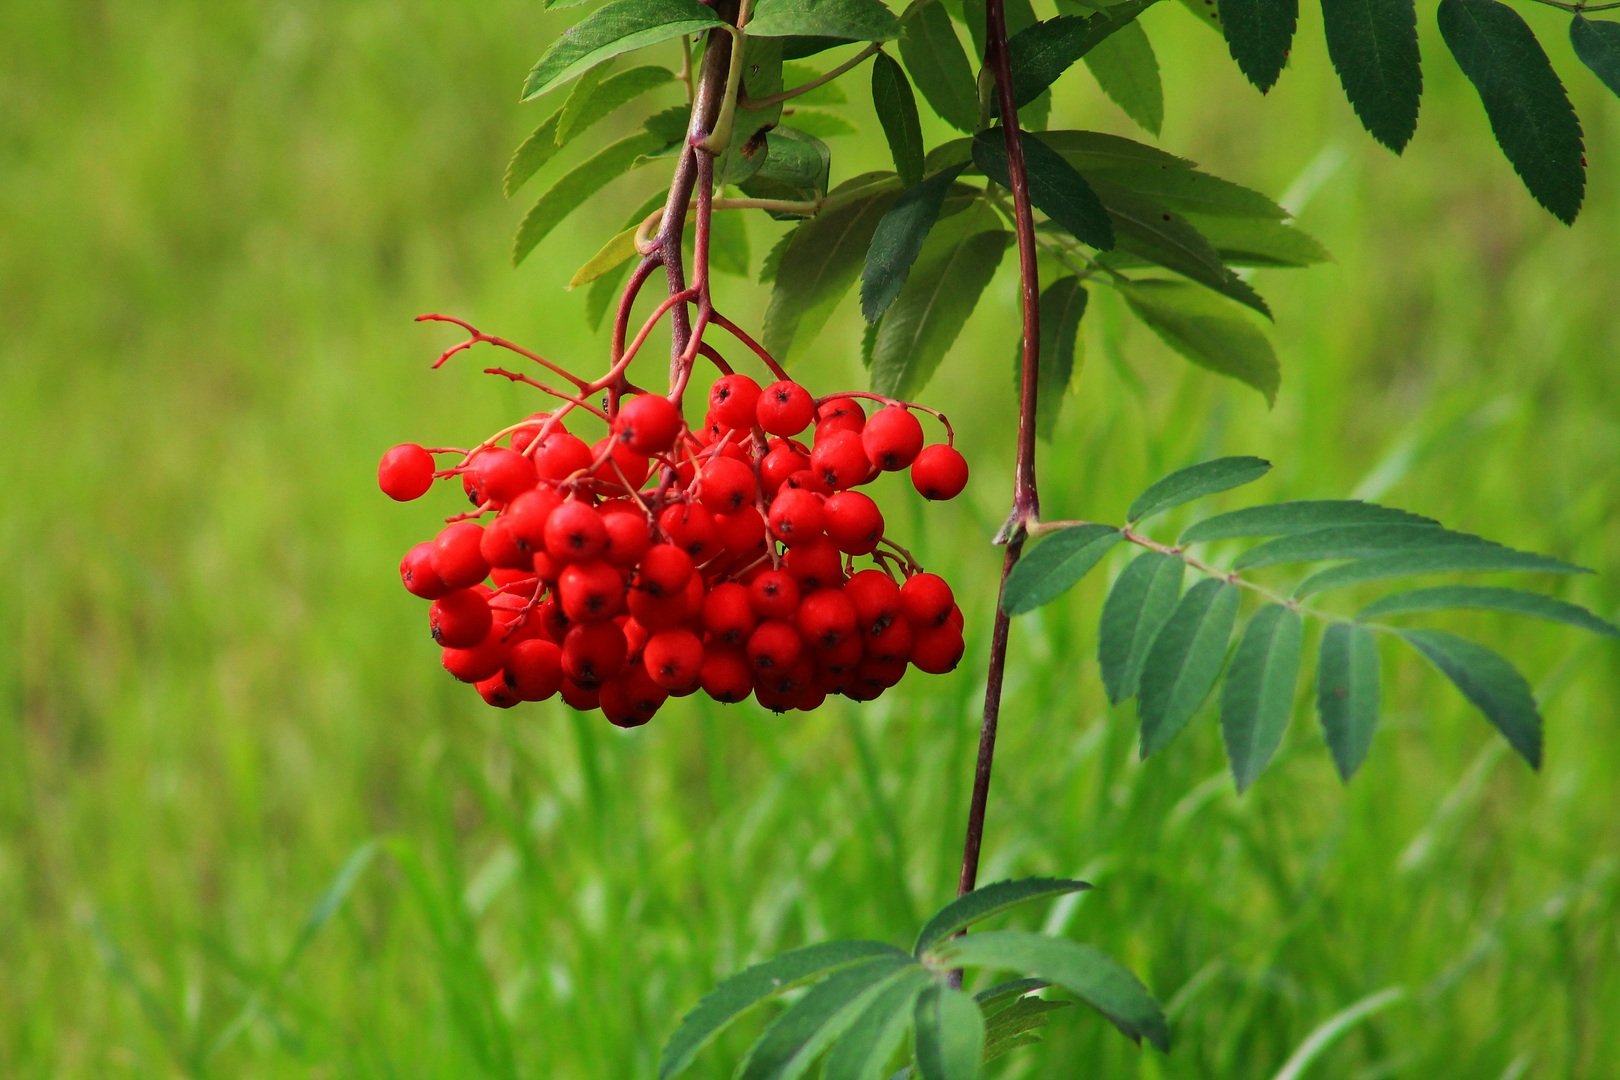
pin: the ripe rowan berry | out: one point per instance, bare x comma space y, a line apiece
500, 549
938, 649
417, 574
690, 527
673, 658
796, 516
876, 599
648, 424
456, 556
926, 600
495, 692
854, 522
827, 618
533, 669
726, 675
815, 564
479, 662
627, 538
840, 460
773, 646
774, 594
785, 408
405, 472
728, 616
892, 438
560, 455
592, 653
726, 485
499, 475
575, 533
459, 619
732, 401
939, 472
839, 414
665, 570
590, 592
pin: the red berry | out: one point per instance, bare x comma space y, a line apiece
459, 620
534, 669
926, 600
627, 537
456, 555
939, 472
593, 653
732, 401
673, 658
405, 472
561, 455
774, 594
526, 517
726, 485
664, 571
727, 614
648, 424
937, 650
500, 548
690, 527
785, 408
817, 564
782, 460
876, 599
499, 475
531, 428
839, 414
590, 592
741, 534
479, 662
774, 646
796, 516
495, 692
621, 467
417, 573
840, 460
892, 438
854, 522
582, 698
632, 699
575, 533
827, 618
891, 644
726, 675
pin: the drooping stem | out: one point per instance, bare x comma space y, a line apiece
1026, 500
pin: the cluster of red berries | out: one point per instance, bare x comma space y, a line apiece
662, 560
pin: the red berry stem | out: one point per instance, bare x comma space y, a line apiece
477, 337
1026, 501
753, 346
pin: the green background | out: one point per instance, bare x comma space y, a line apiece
216, 224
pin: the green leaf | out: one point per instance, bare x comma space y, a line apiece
1258, 695
567, 194
1347, 694
1085, 972
870, 1041
615, 253
753, 985
844, 20
1530, 115
1475, 558
762, 77
1009, 1027
996, 995
594, 100
1053, 567
528, 158
823, 258
829, 93
1247, 242
950, 1035
1062, 305
1493, 685
1127, 71
615, 28
795, 168
1204, 331
822, 124
1095, 151
1288, 518
897, 112
1354, 542
1184, 661
1188, 191
924, 320
1152, 232
1598, 46
790, 1045
1132, 616
898, 238
1195, 482
1484, 598
988, 900
934, 58
1374, 47
1258, 33
1039, 53
1055, 187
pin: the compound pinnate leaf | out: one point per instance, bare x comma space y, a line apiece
988, 900
1187, 190
1285, 519
1096, 151
930, 310
1493, 685
950, 1035
1136, 608
871, 1039
1258, 695
1184, 661
898, 238
1055, 187
795, 167
594, 100
933, 55
1347, 694
897, 112
615, 253
1203, 330
793, 1041
534, 152
753, 985
1053, 567
1040, 52
1128, 72
1195, 482
1151, 232
1258, 33
1250, 242
566, 195
1530, 114
1462, 558
1010, 1027
1062, 306
993, 996
1487, 598
1598, 46
1085, 972
1355, 542
615, 28
1374, 47
842, 20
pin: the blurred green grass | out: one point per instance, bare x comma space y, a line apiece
218, 221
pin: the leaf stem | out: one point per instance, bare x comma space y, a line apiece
804, 88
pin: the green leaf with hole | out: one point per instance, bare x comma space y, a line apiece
793, 1041
1184, 661
615, 28
1251, 242
1374, 47
762, 77
748, 988
1598, 46
1258, 34
1195, 482
898, 239
1487, 598
1041, 52
988, 900
1154, 233
1132, 616
1487, 680
842, 20
949, 1035
1083, 971
1062, 305
567, 194
1359, 541
1530, 115
923, 322
1055, 565
938, 67
1128, 72
1258, 694
1055, 187
897, 112
1288, 518
1203, 330
1347, 694
871, 1040
1471, 558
